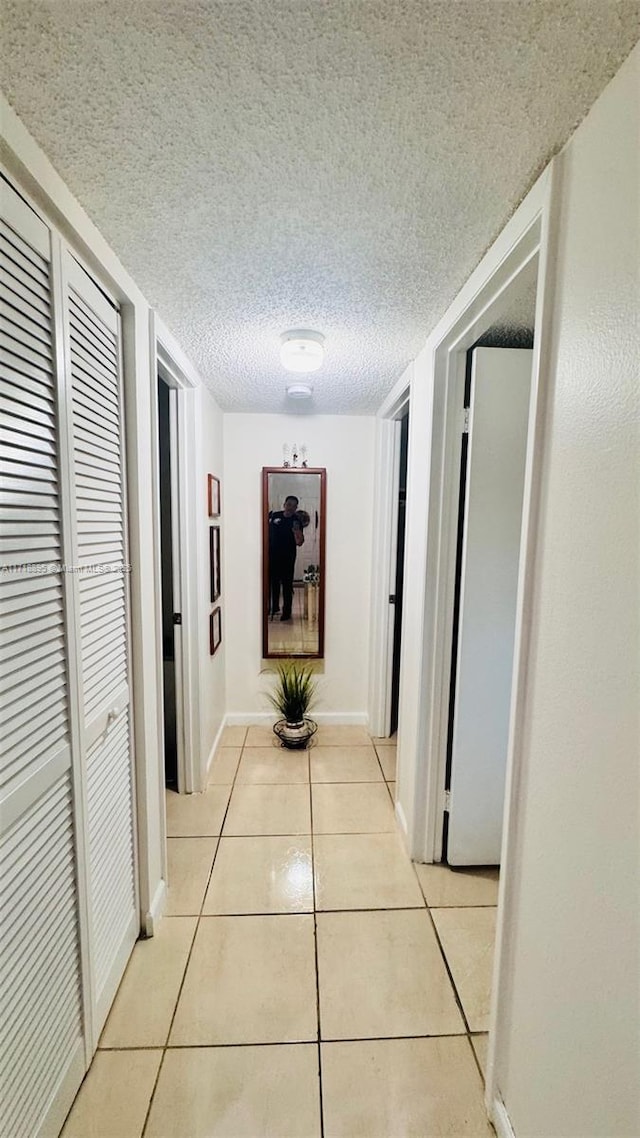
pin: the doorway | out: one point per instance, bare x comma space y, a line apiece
397, 595
166, 467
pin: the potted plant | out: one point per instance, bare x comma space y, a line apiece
293, 696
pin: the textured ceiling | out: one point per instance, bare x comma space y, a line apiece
341, 165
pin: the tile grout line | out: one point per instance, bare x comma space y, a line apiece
191, 947
315, 947
295, 1042
469, 1033
449, 973
201, 914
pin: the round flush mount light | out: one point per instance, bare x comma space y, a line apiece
301, 351
299, 391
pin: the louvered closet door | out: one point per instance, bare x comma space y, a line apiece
41, 1024
93, 349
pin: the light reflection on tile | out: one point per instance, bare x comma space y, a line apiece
261, 875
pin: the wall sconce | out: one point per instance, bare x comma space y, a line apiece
291, 456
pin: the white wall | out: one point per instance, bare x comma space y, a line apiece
344, 445
567, 1062
211, 673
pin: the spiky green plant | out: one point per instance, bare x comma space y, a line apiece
295, 691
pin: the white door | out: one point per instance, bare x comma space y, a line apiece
93, 371
498, 425
42, 1053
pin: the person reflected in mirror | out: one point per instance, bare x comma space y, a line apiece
285, 537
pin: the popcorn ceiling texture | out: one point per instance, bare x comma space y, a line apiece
260, 165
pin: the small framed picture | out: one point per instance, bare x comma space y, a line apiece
215, 630
213, 495
214, 562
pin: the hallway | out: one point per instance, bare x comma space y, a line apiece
305, 906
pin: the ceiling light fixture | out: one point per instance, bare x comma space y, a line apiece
301, 351
299, 391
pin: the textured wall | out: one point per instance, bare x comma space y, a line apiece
344, 445
570, 1063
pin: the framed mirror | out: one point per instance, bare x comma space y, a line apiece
293, 561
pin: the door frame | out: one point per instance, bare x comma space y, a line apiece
434, 445
168, 362
384, 555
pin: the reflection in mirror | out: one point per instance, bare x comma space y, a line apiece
293, 502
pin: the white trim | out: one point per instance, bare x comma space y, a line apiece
170, 362
500, 1119
178, 557
398, 397
502, 972
157, 561
156, 909
385, 535
426, 646
190, 495
384, 543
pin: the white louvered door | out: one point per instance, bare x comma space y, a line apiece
68, 880
42, 1054
94, 373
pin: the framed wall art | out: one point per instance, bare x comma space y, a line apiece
215, 630
213, 495
214, 562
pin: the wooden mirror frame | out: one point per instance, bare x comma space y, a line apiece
293, 471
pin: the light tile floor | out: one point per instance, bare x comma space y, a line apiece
307, 980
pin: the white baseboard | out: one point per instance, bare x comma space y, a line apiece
266, 718
402, 821
214, 748
500, 1119
156, 909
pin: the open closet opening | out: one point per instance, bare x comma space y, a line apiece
170, 615
396, 596
492, 446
